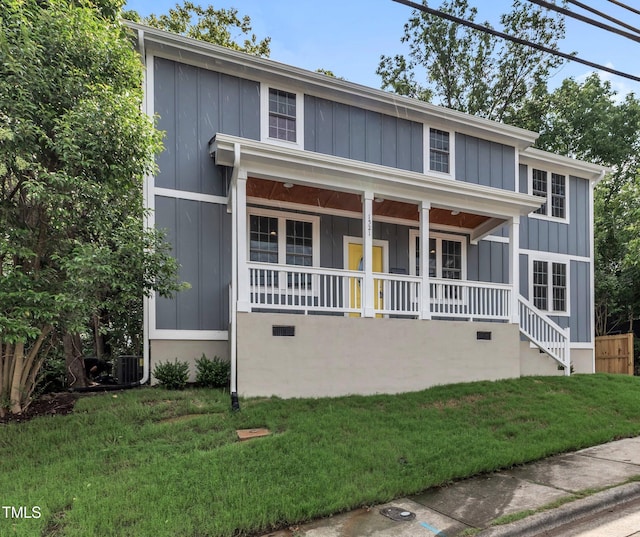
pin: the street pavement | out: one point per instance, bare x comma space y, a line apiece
544, 496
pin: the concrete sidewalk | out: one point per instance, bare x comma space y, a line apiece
471, 507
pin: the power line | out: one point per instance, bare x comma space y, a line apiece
514, 39
625, 6
588, 20
605, 16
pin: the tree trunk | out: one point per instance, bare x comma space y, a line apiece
74, 361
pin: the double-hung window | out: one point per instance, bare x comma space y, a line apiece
549, 286
282, 113
446, 256
284, 239
553, 188
438, 150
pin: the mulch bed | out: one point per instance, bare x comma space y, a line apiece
52, 404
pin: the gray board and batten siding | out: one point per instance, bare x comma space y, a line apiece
193, 104
559, 237
347, 131
485, 163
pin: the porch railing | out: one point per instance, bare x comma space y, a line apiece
316, 289
544, 333
288, 287
470, 300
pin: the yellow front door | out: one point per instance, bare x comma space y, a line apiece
356, 263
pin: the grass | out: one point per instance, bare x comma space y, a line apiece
151, 462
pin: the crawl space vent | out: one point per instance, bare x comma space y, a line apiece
483, 335
283, 331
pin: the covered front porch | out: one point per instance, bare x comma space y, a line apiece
330, 238
290, 254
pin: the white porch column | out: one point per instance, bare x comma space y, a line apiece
367, 298
241, 227
425, 288
514, 264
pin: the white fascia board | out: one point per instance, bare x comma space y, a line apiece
184, 49
570, 166
267, 161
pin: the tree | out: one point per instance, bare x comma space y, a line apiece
586, 121
209, 24
74, 148
469, 70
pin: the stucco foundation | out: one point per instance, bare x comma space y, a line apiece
185, 351
533, 362
330, 356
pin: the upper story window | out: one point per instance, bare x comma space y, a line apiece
438, 150
553, 188
282, 113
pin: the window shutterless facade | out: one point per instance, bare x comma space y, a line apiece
549, 286
282, 116
438, 150
553, 188
447, 256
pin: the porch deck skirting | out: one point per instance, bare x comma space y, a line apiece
337, 355
316, 289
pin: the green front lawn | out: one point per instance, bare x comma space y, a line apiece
150, 462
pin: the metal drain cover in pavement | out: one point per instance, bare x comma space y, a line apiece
397, 514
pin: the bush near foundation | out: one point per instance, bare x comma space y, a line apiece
172, 375
214, 373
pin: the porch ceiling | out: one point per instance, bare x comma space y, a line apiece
346, 201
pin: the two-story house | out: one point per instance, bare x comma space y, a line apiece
340, 239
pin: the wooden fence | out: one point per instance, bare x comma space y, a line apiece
614, 354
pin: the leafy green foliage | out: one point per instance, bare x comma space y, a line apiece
214, 373
210, 24
587, 121
472, 71
172, 375
74, 149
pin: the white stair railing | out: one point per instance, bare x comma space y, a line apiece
544, 333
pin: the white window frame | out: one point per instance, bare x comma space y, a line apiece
549, 212
264, 117
282, 232
415, 233
426, 142
550, 259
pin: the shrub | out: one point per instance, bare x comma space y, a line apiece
172, 376
214, 373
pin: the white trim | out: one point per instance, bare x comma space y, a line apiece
566, 165
264, 116
517, 170
553, 256
194, 196
588, 345
426, 151
495, 238
191, 335
592, 278
282, 217
148, 197
202, 54
551, 260
567, 194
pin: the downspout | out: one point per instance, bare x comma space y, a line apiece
146, 350
233, 298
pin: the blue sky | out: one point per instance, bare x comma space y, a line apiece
348, 36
